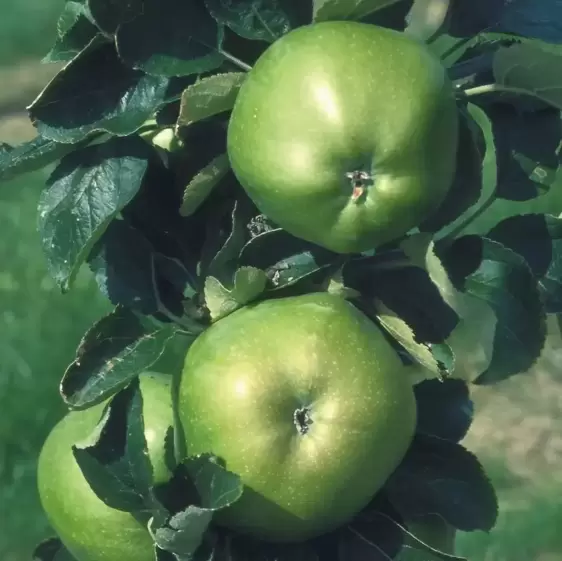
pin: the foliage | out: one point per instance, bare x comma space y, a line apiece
141, 194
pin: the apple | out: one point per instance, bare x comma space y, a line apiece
306, 400
89, 529
345, 134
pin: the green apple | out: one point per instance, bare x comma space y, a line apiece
305, 399
433, 531
88, 528
345, 134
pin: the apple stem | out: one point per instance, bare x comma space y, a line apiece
302, 420
359, 181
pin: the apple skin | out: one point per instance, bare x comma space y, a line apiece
304, 399
89, 529
337, 98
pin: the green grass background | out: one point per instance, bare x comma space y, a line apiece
40, 328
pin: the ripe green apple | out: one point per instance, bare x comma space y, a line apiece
345, 134
89, 529
305, 399
432, 530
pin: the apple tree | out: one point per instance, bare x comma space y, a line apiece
324, 221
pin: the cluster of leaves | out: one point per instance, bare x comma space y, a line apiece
142, 194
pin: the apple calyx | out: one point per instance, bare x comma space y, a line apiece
359, 181
302, 420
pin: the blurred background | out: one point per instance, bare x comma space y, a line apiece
517, 429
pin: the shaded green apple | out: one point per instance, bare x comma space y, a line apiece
88, 528
345, 134
304, 399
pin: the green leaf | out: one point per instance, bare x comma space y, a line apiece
441, 477
401, 294
528, 69
224, 262
216, 487
498, 276
372, 535
476, 177
184, 532
52, 549
202, 185
108, 15
113, 352
287, 260
530, 18
97, 92
219, 299
262, 20
249, 283
209, 96
426, 17
529, 166
199, 487
324, 10
471, 339
538, 239
444, 409
171, 38
30, 156
75, 31
85, 192
114, 459
129, 272
420, 352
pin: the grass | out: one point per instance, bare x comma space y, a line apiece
39, 331
27, 28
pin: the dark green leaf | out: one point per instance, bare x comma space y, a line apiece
445, 409
202, 185
495, 274
347, 9
209, 96
184, 532
528, 69
97, 92
528, 149
30, 156
373, 535
224, 262
264, 20
171, 38
110, 14
123, 263
199, 486
407, 290
114, 459
217, 488
531, 18
85, 192
481, 187
285, 258
113, 352
467, 188
443, 478
537, 238
52, 549
154, 212
75, 31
